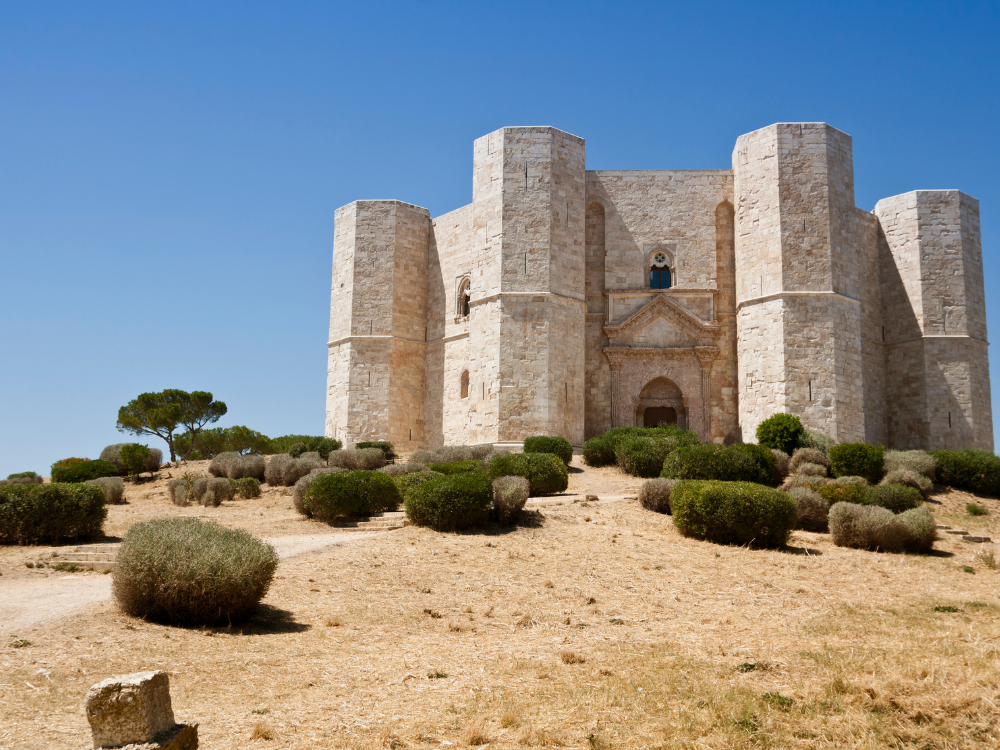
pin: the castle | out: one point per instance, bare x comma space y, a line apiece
564, 301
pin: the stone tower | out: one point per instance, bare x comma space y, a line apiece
797, 288
526, 341
935, 320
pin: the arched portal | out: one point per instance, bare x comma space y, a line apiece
660, 402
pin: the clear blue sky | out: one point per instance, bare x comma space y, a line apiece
169, 172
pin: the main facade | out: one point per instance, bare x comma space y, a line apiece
564, 301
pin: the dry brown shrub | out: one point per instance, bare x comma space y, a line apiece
509, 497
114, 489
179, 489
910, 479
781, 460
477, 733
262, 731
810, 470
798, 480
813, 509
919, 462
210, 491
807, 456
655, 494
510, 716
364, 459
866, 527
571, 657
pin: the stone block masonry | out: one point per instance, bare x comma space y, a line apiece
564, 302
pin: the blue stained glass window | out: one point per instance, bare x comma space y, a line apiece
659, 278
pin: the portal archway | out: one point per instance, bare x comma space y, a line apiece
661, 401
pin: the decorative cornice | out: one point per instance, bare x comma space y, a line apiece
661, 306
618, 355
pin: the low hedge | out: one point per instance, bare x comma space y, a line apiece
80, 470
971, 470
454, 502
858, 459
893, 497
456, 467
187, 572
557, 446
878, 529
415, 478
545, 473
344, 494
598, 452
733, 512
642, 456
741, 462
387, 448
50, 513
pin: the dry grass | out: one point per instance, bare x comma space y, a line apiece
851, 638
262, 731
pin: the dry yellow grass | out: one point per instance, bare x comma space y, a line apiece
683, 644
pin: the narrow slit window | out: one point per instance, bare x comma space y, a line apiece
465, 384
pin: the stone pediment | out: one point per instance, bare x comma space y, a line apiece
662, 323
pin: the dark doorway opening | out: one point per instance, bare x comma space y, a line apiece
657, 415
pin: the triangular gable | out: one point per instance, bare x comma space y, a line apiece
661, 306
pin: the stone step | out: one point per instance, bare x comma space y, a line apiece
92, 564
959, 532
89, 557
976, 539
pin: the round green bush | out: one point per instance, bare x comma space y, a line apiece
858, 459
81, 471
188, 572
456, 467
460, 501
387, 448
50, 513
734, 463
783, 432
415, 478
733, 512
971, 470
134, 458
297, 449
545, 473
642, 456
345, 494
246, 487
895, 497
557, 446
598, 452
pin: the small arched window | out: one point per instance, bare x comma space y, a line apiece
465, 384
659, 271
464, 298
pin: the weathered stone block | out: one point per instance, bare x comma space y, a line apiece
132, 708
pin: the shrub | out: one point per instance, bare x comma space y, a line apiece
911, 479
415, 479
399, 470
297, 449
808, 456
210, 491
974, 509
972, 470
782, 431
874, 528
866, 527
850, 479
655, 494
233, 465
894, 497
113, 488
283, 470
302, 486
921, 529
509, 497
134, 458
80, 470
810, 470
187, 572
858, 459
557, 446
460, 501
733, 512
387, 448
112, 453
322, 445
245, 487
343, 494
50, 513
734, 463
179, 489
598, 452
833, 493
797, 480
545, 473
818, 441
642, 456
447, 454
782, 463
25, 477
918, 462
812, 509
365, 459
457, 467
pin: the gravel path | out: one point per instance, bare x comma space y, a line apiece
25, 605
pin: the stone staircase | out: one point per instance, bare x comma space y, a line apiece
92, 557
379, 522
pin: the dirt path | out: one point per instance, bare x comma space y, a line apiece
24, 605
